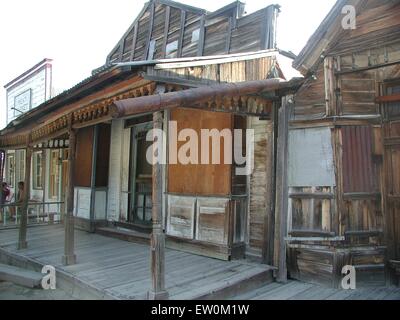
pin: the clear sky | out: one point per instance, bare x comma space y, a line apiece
78, 34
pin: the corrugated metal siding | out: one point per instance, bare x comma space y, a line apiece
359, 172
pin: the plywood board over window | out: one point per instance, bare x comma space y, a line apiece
84, 154
311, 158
198, 179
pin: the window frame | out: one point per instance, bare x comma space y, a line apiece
9, 176
54, 184
37, 170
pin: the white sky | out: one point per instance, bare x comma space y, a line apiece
78, 34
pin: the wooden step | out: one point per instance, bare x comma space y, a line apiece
22, 277
252, 279
124, 234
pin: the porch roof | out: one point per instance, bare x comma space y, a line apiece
55, 116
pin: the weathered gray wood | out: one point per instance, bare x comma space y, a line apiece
120, 269
200, 45
281, 211
93, 179
157, 244
135, 34
22, 243
166, 30
146, 51
20, 276
229, 35
69, 256
181, 33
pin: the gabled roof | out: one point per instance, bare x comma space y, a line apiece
329, 30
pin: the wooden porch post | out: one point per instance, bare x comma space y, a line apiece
158, 291
281, 209
22, 243
69, 257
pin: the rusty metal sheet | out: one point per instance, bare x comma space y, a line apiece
359, 171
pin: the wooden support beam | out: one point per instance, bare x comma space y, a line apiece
22, 243
157, 247
69, 257
166, 30
93, 179
282, 192
181, 33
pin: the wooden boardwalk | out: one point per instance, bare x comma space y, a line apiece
121, 269
295, 290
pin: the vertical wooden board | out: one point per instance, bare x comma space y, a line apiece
114, 183
260, 184
181, 215
198, 179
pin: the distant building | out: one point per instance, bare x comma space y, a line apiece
29, 90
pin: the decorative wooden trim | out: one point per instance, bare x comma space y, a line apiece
89, 115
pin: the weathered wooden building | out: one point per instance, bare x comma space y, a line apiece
218, 70
344, 156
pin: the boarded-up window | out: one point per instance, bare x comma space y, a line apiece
311, 158
103, 155
197, 179
84, 153
359, 172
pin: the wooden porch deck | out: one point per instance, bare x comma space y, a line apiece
296, 290
117, 269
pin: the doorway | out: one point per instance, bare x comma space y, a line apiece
140, 177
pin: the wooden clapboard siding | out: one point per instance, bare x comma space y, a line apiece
221, 32
237, 71
358, 93
260, 185
310, 99
377, 23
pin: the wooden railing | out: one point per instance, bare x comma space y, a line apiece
38, 213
